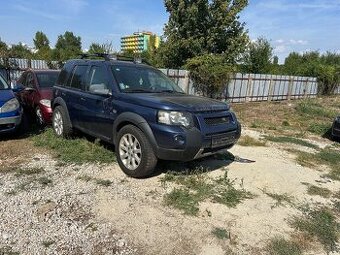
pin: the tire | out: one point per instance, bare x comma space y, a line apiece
60, 123
39, 118
132, 144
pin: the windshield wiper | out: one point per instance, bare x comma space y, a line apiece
169, 91
137, 91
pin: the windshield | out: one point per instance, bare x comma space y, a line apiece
47, 79
3, 83
143, 79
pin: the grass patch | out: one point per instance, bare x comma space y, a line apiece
220, 233
77, 151
327, 156
281, 246
44, 181
320, 223
47, 243
281, 199
319, 128
293, 140
105, 183
184, 200
314, 109
318, 191
197, 187
250, 141
28, 171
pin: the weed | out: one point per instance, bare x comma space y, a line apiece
318, 191
249, 141
105, 183
280, 199
76, 151
44, 181
7, 250
285, 123
198, 187
322, 224
293, 140
220, 233
319, 128
92, 226
85, 178
280, 246
47, 243
308, 107
28, 171
182, 199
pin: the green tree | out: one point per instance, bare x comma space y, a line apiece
101, 48
198, 27
20, 50
258, 57
41, 41
67, 46
210, 74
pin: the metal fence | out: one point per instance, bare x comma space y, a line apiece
18, 65
256, 87
241, 88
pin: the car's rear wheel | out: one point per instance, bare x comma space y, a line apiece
39, 117
134, 152
60, 123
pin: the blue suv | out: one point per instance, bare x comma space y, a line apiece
141, 111
10, 109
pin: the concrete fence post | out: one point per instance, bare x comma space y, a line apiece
249, 89
271, 89
290, 88
187, 82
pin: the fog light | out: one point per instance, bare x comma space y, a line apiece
179, 139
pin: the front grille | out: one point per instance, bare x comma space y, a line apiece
217, 120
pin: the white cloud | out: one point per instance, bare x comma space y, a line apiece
280, 49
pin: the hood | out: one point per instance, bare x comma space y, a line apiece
175, 102
46, 93
5, 95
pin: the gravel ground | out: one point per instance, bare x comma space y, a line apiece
51, 212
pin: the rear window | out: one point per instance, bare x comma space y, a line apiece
47, 80
3, 83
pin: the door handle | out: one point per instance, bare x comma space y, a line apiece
82, 99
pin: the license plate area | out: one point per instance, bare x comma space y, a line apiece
222, 140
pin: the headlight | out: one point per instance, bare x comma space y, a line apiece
45, 102
175, 118
10, 106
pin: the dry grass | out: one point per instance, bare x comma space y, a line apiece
291, 117
15, 152
250, 141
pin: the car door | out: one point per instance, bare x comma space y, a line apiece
27, 95
97, 100
74, 95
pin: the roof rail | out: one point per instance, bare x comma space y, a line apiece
109, 57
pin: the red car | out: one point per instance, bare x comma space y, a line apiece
36, 93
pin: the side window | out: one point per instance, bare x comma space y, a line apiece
78, 77
97, 80
29, 80
22, 79
64, 75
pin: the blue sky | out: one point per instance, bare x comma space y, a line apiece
290, 25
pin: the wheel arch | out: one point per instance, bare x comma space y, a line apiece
60, 102
130, 118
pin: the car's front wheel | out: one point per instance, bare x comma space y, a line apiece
134, 152
60, 123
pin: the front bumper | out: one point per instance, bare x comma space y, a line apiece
198, 145
9, 124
